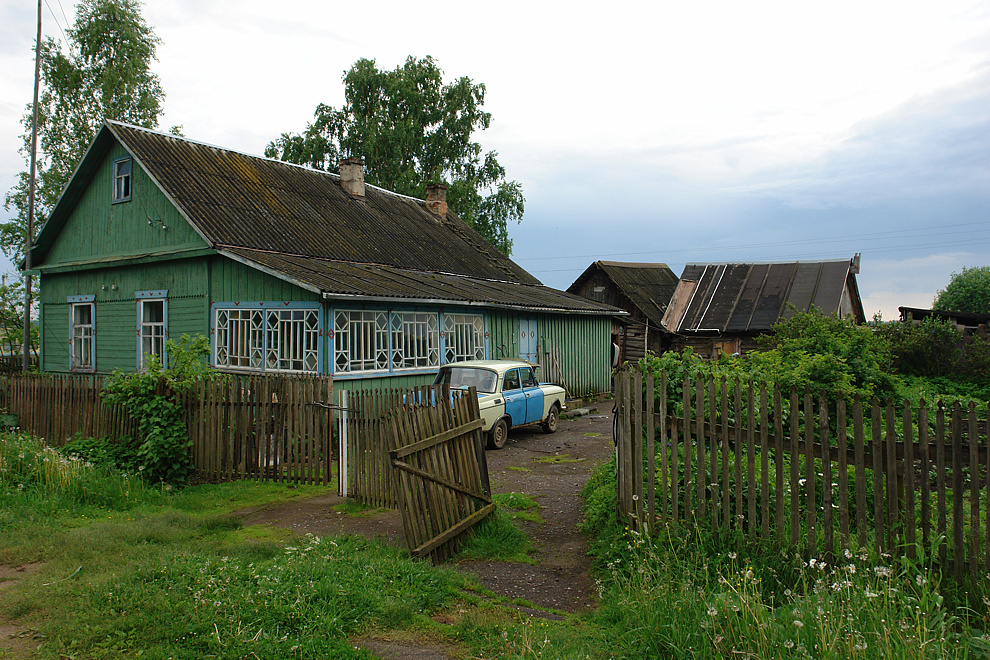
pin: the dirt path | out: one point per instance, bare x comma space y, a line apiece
552, 468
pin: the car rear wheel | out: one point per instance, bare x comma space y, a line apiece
550, 423
499, 434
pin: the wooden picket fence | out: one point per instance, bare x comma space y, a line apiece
367, 472
59, 407
258, 427
439, 471
815, 474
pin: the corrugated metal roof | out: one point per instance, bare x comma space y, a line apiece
751, 297
299, 224
648, 286
258, 203
350, 280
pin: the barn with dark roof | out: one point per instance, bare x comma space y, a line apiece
643, 291
721, 308
287, 269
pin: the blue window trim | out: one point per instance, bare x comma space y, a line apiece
391, 371
265, 306
81, 299
113, 181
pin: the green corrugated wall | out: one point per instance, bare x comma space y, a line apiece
148, 222
582, 342
116, 309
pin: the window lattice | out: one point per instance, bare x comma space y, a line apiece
268, 340
415, 340
360, 341
464, 337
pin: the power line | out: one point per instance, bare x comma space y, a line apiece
65, 39
878, 250
803, 241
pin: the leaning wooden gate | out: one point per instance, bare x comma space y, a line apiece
439, 471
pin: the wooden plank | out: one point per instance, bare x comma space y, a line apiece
435, 478
974, 492
893, 485
957, 491
924, 443
751, 460
713, 441
909, 486
440, 438
764, 466
842, 446
795, 465
877, 448
940, 481
699, 407
811, 506
828, 537
463, 525
860, 477
737, 457
637, 447
651, 454
666, 432
778, 460
689, 430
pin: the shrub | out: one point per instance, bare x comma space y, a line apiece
151, 396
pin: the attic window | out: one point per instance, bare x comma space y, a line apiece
122, 180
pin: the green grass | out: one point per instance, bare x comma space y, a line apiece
497, 538
519, 506
173, 574
557, 459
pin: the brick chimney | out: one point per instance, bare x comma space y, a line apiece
436, 199
352, 177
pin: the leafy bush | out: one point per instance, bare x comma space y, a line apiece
151, 397
929, 348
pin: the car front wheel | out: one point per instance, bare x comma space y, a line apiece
550, 423
499, 434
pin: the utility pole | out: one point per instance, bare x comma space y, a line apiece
26, 357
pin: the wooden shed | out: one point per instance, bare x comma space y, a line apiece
287, 269
721, 308
641, 289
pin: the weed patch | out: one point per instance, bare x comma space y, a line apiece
558, 458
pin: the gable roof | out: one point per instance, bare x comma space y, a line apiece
298, 224
647, 286
751, 297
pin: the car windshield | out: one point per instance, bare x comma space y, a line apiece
482, 379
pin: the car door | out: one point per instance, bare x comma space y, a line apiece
533, 393
515, 398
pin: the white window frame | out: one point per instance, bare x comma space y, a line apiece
82, 336
272, 337
151, 334
122, 181
360, 341
463, 337
383, 341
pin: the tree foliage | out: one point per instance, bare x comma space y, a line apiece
412, 129
106, 74
968, 291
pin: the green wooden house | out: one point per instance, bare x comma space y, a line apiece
287, 269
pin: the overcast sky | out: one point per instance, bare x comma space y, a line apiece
662, 131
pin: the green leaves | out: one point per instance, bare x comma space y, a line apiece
968, 291
106, 74
412, 129
150, 397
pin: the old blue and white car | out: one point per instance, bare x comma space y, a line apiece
508, 395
